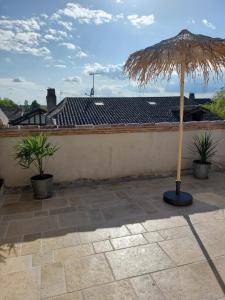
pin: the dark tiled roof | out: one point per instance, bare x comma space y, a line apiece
117, 110
11, 112
201, 101
27, 116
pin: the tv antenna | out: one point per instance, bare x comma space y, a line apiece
92, 93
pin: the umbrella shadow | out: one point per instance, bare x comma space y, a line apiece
206, 254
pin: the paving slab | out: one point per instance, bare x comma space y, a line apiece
158, 222
15, 264
64, 254
128, 241
52, 280
146, 288
176, 233
86, 272
153, 236
100, 234
120, 290
138, 260
190, 282
74, 218
21, 285
60, 238
136, 228
102, 246
183, 251
41, 259
54, 203
31, 246
39, 224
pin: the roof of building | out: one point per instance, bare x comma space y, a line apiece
201, 101
27, 117
11, 112
119, 110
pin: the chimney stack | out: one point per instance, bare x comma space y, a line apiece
191, 96
51, 99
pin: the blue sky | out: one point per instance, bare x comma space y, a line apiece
56, 43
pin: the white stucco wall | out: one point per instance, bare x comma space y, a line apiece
3, 118
100, 156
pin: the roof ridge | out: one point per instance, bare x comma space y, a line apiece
58, 108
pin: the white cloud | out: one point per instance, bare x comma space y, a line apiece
75, 79
48, 57
60, 66
67, 25
22, 36
81, 54
85, 15
51, 37
139, 21
208, 24
119, 17
30, 38
111, 71
24, 43
55, 17
20, 25
59, 33
54, 35
69, 46
45, 16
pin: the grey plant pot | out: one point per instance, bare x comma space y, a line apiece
42, 187
200, 170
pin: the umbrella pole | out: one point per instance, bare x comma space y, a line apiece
177, 197
180, 136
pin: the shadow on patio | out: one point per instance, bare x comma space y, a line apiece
125, 228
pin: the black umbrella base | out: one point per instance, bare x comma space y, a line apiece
180, 199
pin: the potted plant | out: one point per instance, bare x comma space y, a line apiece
35, 151
205, 147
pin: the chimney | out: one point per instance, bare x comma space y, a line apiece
191, 96
51, 99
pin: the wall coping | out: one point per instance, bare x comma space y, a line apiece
107, 129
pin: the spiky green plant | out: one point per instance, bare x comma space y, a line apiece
205, 146
34, 151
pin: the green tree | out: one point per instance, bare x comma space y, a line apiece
26, 106
218, 104
34, 105
6, 102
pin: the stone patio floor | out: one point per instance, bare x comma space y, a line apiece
115, 241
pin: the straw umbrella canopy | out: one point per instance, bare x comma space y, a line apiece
186, 54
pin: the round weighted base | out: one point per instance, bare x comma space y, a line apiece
181, 199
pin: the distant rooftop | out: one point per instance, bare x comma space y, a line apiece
123, 110
11, 112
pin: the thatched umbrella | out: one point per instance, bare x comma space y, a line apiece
186, 54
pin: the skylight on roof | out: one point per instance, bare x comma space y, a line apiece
99, 103
152, 103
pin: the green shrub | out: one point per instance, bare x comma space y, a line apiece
218, 105
34, 151
204, 146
